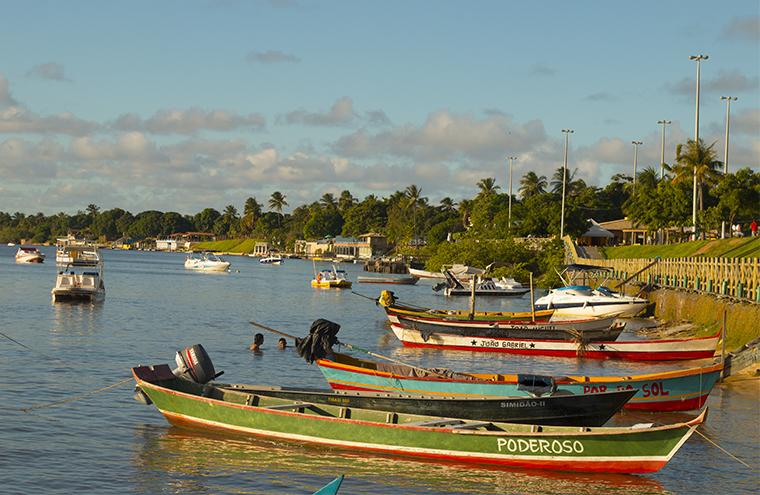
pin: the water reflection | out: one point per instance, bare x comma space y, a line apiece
76, 318
192, 461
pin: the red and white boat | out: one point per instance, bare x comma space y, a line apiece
632, 350
27, 254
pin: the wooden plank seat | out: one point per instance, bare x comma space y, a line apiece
436, 423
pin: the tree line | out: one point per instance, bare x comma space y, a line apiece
408, 219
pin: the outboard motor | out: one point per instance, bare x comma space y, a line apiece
194, 364
536, 385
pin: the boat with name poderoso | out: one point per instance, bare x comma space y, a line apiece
674, 390
546, 405
28, 254
186, 399
632, 350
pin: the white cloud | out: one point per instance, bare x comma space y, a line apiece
743, 29
271, 57
189, 121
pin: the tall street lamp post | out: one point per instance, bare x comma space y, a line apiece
567, 133
635, 161
698, 59
663, 122
511, 160
725, 152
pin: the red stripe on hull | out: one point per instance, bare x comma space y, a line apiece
670, 405
625, 467
629, 356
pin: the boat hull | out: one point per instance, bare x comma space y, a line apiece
652, 350
611, 450
680, 390
388, 280
589, 409
622, 310
331, 284
453, 316
488, 293
81, 295
590, 329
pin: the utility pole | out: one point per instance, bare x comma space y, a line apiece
725, 152
511, 159
698, 59
662, 154
635, 162
567, 133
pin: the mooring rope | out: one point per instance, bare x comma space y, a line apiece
724, 450
34, 350
75, 398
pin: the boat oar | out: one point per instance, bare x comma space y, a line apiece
354, 348
373, 299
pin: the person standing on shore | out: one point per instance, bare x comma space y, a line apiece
753, 227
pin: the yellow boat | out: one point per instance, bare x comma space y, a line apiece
331, 279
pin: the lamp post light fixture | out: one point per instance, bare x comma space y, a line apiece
511, 160
663, 122
567, 133
698, 59
725, 151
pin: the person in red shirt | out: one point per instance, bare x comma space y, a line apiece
753, 227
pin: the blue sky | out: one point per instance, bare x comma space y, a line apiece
183, 105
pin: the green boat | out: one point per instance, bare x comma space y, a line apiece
331, 488
187, 403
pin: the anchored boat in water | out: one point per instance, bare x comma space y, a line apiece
675, 390
82, 278
206, 262
28, 254
331, 279
186, 398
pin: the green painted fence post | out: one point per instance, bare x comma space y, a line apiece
724, 288
709, 286
757, 297
739, 290
696, 282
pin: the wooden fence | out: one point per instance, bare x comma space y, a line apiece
734, 277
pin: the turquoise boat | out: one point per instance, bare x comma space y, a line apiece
678, 390
331, 488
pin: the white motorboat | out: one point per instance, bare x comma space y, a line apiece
462, 272
503, 287
584, 300
82, 279
63, 255
26, 254
271, 259
206, 262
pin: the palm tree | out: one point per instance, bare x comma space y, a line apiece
532, 184
252, 208
447, 205
487, 186
230, 212
328, 201
413, 199
695, 159
277, 201
346, 201
557, 180
92, 210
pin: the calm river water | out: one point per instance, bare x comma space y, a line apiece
108, 443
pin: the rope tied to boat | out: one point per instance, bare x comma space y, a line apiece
75, 398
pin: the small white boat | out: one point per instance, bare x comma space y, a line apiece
26, 254
271, 259
206, 262
584, 300
82, 279
462, 272
487, 287
63, 255
10, 244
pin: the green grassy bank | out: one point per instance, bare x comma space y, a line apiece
747, 247
241, 246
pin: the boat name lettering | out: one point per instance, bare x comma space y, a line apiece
540, 446
654, 389
524, 403
593, 389
504, 343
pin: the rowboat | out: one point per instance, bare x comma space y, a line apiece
677, 390
636, 449
632, 350
559, 408
388, 302
387, 280
586, 329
